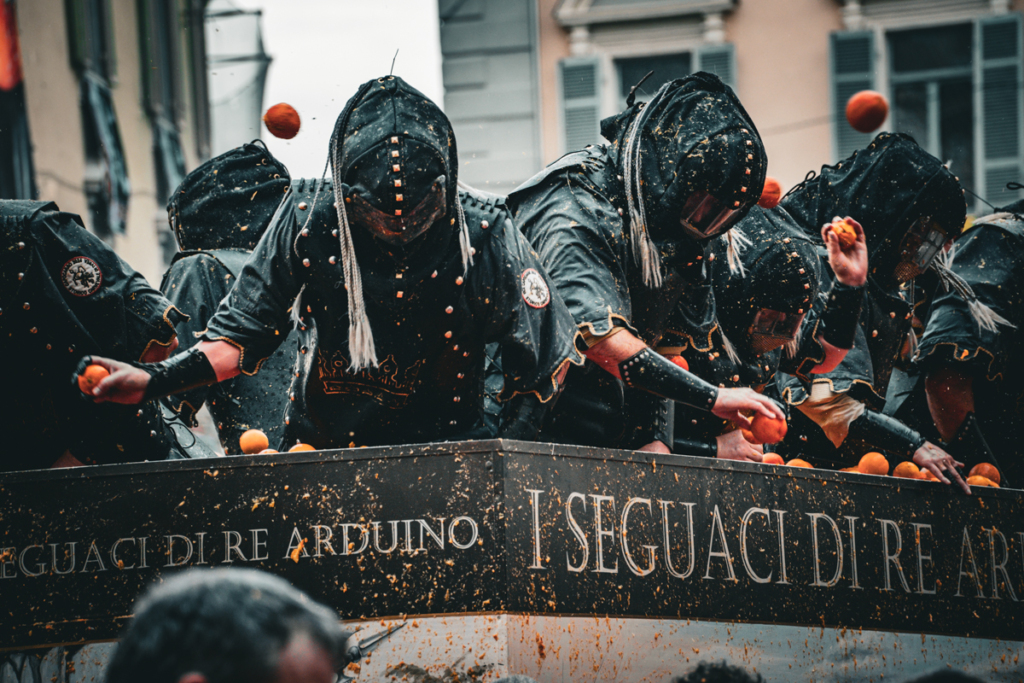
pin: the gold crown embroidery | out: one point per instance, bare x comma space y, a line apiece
388, 384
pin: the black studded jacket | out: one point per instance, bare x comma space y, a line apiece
430, 322
65, 294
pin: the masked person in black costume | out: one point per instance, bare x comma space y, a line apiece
63, 292
767, 320
974, 371
622, 231
909, 204
218, 215
440, 273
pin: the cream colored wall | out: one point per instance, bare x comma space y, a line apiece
782, 61
553, 46
55, 121
51, 96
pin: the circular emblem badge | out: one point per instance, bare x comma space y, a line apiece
535, 290
81, 276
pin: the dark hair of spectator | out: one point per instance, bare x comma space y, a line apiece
718, 673
230, 625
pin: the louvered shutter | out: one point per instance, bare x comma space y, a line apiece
581, 102
999, 54
853, 70
719, 60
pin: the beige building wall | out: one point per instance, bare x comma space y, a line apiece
553, 46
55, 121
782, 78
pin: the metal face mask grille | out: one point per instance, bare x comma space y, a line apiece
703, 216
772, 329
405, 225
920, 246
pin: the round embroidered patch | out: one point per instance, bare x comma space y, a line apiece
535, 289
81, 276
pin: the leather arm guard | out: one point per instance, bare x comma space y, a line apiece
970, 447
842, 314
525, 417
655, 374
179, 373
886, 433
703, 449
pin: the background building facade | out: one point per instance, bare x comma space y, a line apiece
952, 70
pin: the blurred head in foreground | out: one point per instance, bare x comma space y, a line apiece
228, 626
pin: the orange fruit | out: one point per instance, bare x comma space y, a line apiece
681, 362
873, 463
301, 447
771, 195
748, 435
866, 110
797, 462
845, 232
253, 441
850, 469
907, 470
282, 121
267, 451
927, 475
768, 429
978, 480
987, 470
773, 459
93, 375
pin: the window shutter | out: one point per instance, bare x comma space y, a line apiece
75, 13
719, 60
581, 102
999, 54
853, 70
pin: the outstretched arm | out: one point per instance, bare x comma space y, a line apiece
850, 266
206, 363
632, 361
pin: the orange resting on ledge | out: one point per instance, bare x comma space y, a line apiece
301, 447
93, 375
797, 462
907, 470
987, 470
873, 463
773, 459
253, 441
978, 480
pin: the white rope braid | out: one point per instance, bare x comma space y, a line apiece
360, 336
644, 251
984, 317
737, 242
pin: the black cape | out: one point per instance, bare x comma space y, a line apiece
990, 257
65, 294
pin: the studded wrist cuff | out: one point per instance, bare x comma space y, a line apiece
177, 374
652, 372
842, 315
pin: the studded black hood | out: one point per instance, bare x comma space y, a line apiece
887, 187
782, 271
696, 137
228, 201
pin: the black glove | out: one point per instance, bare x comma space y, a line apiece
522, 418
842, 315
886, 433
704, 449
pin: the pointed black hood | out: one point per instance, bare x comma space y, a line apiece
696, 137
887, 187
228, 201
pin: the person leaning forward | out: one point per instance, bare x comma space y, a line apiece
622, 231
440, 273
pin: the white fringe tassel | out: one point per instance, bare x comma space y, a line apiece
464, 245
737, 242
730, 350
644, 250
984, 317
